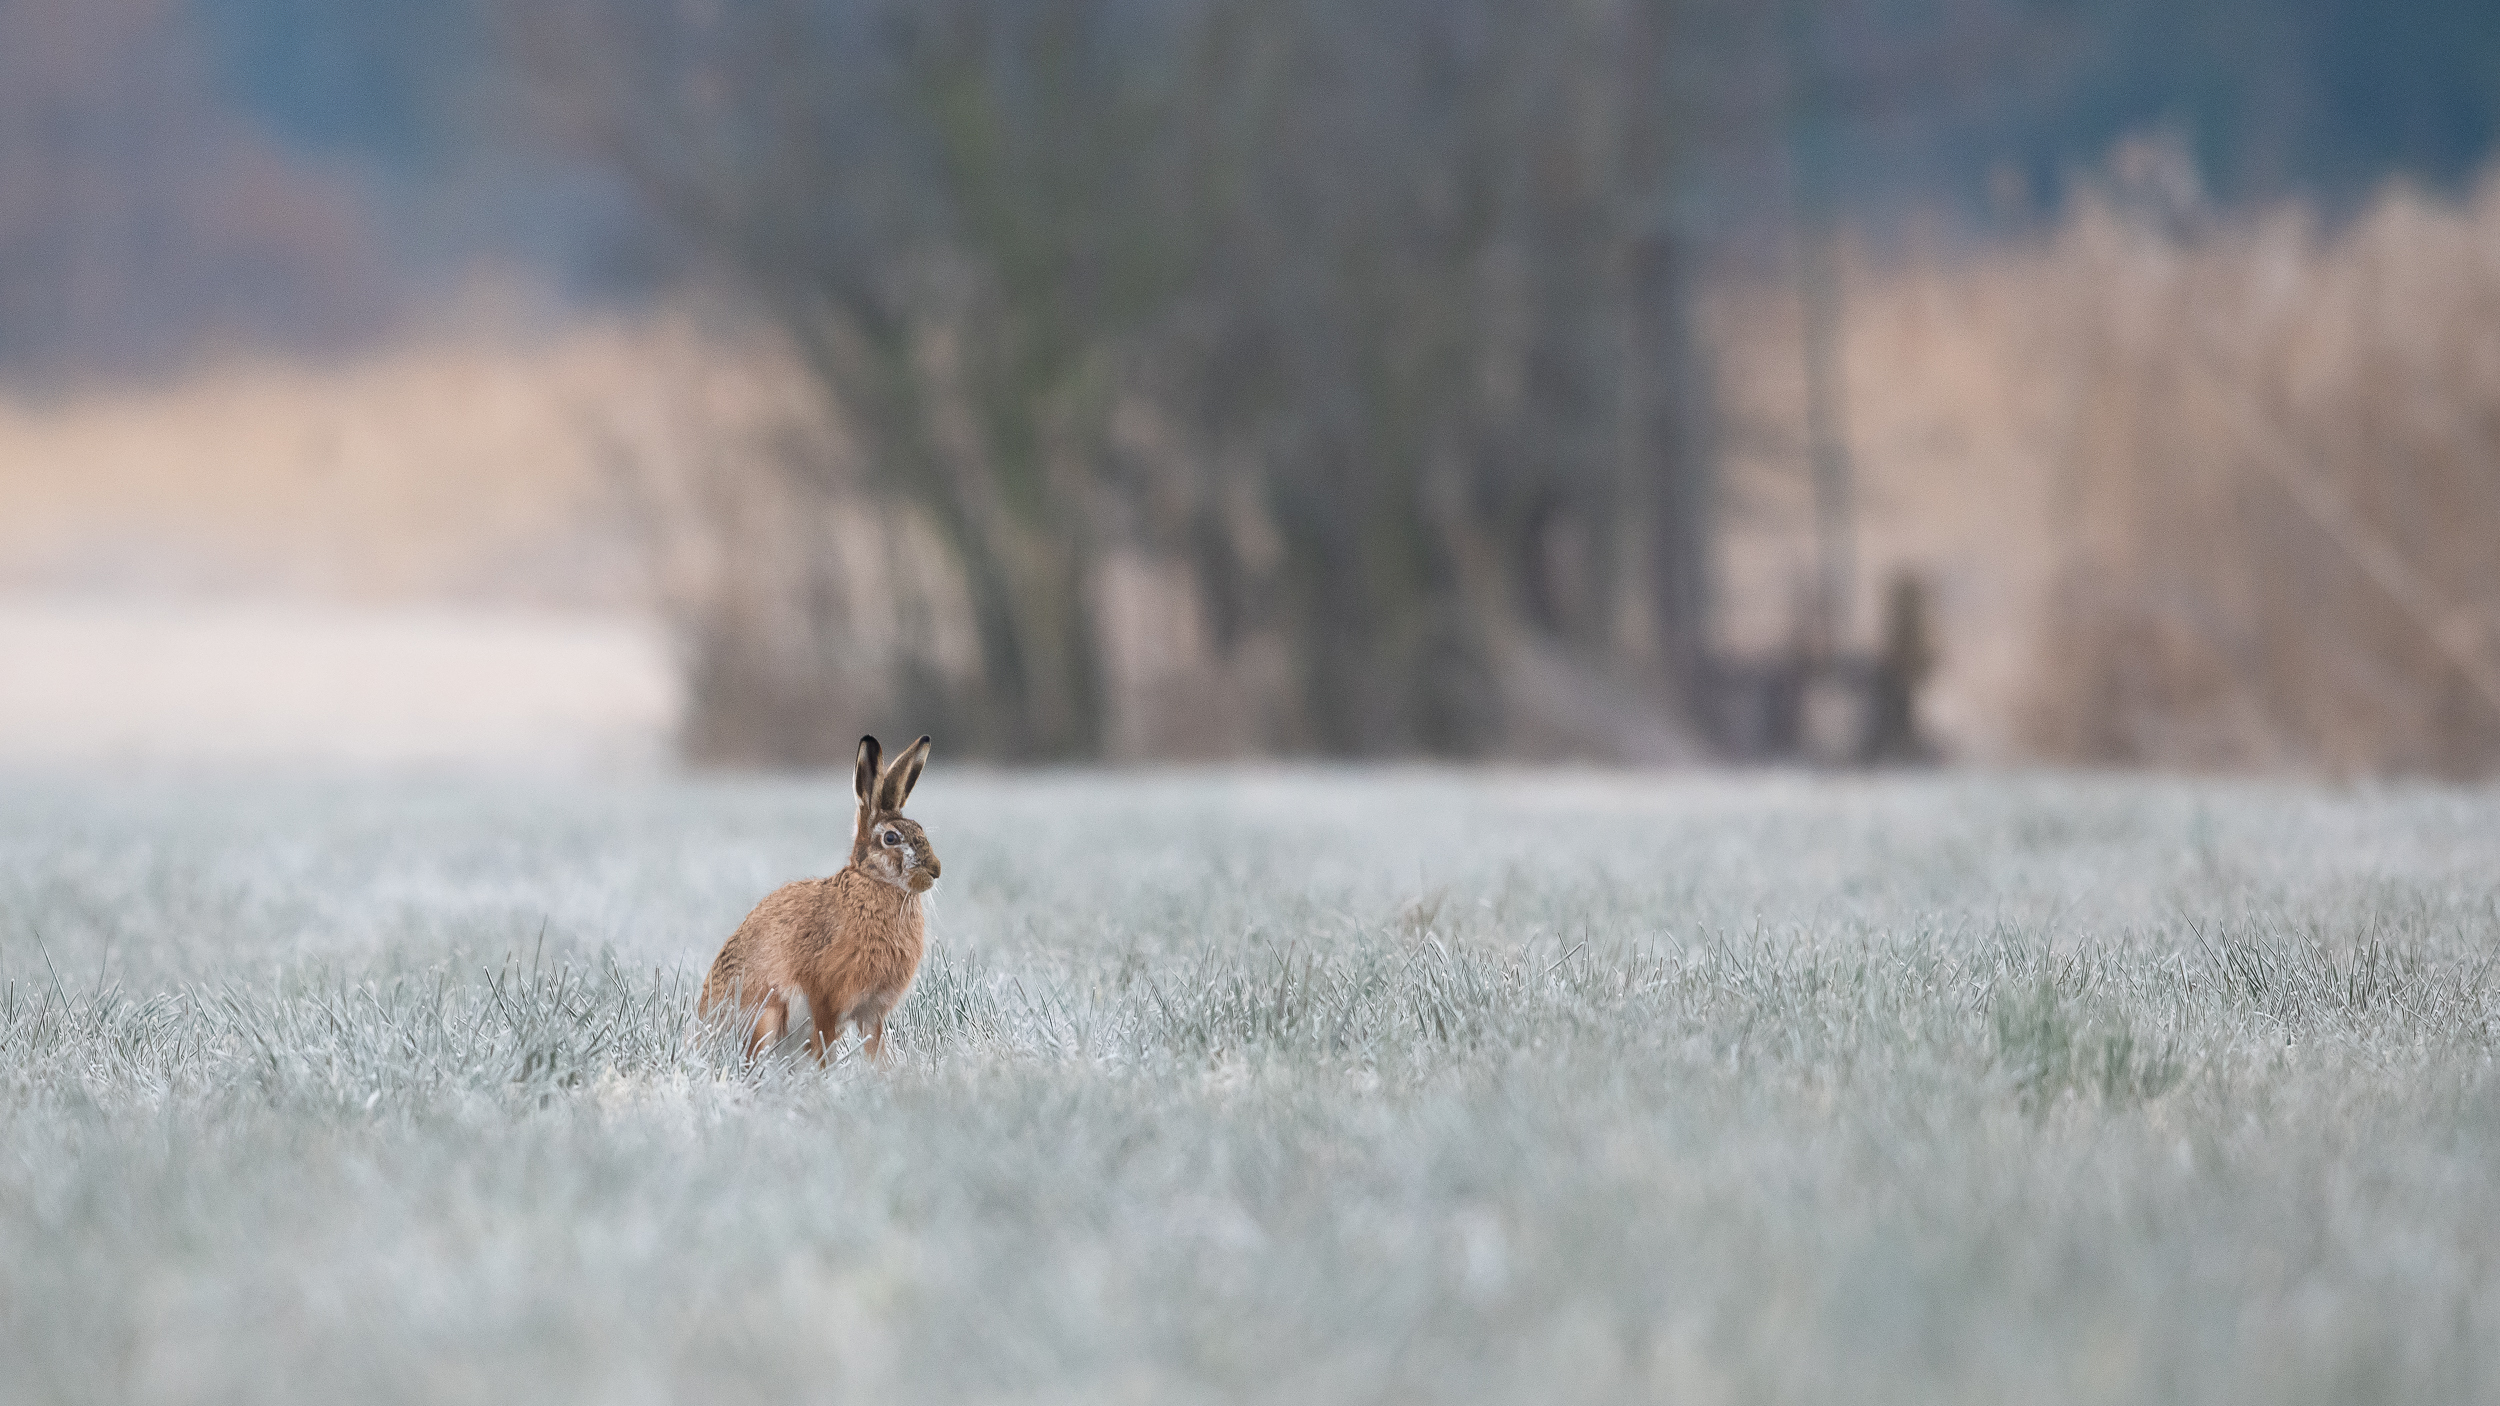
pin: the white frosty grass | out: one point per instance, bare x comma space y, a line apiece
1269, 1086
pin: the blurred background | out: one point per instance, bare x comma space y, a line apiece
614, 382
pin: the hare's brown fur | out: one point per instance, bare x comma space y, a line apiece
849, 943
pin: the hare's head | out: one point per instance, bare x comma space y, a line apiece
888, 845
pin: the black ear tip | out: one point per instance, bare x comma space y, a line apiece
923, 742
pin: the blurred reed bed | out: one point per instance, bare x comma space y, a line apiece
465, 465
2195, 488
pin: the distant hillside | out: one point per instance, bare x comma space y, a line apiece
286, 173
1975, 102
143, 215
1938, 101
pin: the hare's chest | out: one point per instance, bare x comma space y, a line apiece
872, 936
894, 955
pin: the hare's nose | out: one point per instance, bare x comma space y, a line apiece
933, 866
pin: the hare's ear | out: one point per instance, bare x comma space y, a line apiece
902, 776
864, 775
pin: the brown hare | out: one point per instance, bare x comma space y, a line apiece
851, 943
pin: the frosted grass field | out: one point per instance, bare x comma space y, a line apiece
1294, 1086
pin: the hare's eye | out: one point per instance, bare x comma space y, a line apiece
892, 837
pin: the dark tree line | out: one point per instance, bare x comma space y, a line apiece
1365, 324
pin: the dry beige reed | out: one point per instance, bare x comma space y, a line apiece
2196, 489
